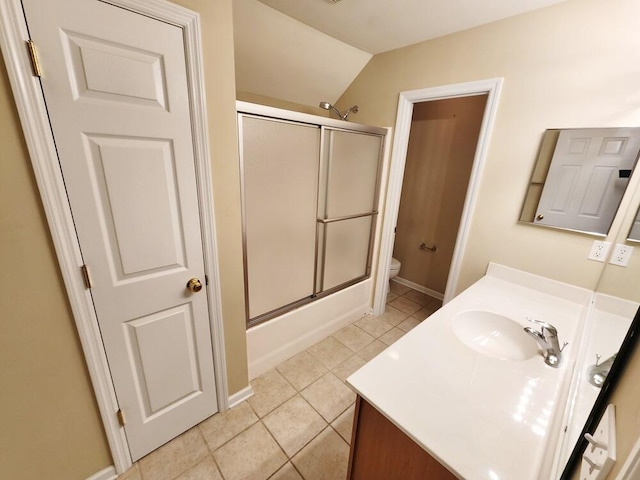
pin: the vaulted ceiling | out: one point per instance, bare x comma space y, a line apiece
305, 51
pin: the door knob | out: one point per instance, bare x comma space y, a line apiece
540, 217
194, 285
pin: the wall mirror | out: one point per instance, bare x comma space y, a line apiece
620, 283
580, 177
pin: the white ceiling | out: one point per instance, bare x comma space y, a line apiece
377, 26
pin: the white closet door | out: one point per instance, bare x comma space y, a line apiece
280, 184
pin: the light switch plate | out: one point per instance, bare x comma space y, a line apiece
599, 251
621, 255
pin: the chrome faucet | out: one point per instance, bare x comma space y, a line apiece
596, 374
547, 338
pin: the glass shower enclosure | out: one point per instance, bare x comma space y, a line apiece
309, 202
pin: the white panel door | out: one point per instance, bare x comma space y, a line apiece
117, 95
584, 186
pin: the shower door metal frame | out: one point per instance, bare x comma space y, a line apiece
267, 113
324, 157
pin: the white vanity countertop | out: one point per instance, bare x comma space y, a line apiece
481, 417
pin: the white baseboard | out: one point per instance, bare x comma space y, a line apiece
239, 397
420, 288
108, 473
272, 342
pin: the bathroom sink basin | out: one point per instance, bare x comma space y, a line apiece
493, 335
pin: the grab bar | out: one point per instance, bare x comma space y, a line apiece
424, 246
347, 217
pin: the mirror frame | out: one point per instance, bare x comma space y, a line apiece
635, 219
628, 347
539, 176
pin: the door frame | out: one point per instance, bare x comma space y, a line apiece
407, 100
41, 147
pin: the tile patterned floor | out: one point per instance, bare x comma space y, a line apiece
297, 425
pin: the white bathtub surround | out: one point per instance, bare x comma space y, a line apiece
272, 342
482, 417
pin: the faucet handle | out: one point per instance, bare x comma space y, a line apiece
544, 325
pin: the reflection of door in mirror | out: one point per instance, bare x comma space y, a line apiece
587, 177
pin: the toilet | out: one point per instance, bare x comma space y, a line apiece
394, 268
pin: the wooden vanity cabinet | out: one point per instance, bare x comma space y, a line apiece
381, 451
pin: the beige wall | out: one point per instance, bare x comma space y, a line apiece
284, 104
562, 66
50, 422
440, 154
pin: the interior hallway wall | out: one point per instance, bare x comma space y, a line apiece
442, 145
51, 426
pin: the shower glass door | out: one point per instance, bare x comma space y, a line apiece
279, 188
347, 200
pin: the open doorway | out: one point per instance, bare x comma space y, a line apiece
440, 153
407, 101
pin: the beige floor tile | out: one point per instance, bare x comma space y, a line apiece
175, 457
392, 336
205, 470
418, 297
435, 304
393, 316
346, 368
409, 324
221, 428
301, 370
288, 472
325, 458
352, 337
252, 455
344, 424
294, 424
371, 350
270, 390
132, 474
329, 396
398, 288
424, 312
391, 296
374, 326
405, 305
330, 352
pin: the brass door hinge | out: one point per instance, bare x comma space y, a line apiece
33, 53
85, 276
120, 418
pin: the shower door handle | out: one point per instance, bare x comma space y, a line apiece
347, 217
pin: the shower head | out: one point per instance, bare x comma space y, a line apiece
343, 116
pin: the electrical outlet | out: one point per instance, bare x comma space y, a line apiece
599, 251
621, 255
